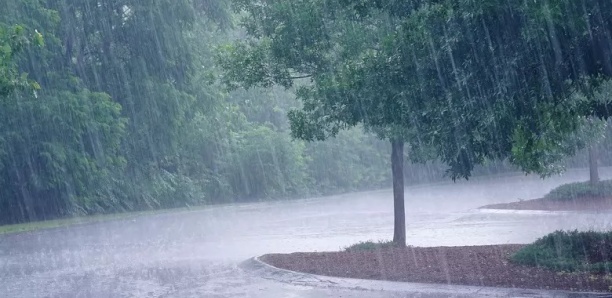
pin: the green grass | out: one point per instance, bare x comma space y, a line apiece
57, 223
581, 190
65, 222
569, 251
369, 245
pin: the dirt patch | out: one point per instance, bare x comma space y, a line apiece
468, 265
583, 204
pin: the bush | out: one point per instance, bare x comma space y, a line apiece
581, 190
569, 251
369, 245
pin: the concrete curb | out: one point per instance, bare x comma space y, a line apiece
264, 270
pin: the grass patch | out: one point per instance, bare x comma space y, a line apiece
57, 223
369, 245
581, 190
569, 251
65, 222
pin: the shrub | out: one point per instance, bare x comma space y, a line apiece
569, 251
369, 245
580, 190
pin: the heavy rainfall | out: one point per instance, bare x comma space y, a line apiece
305, 148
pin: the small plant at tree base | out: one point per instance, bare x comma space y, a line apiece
581, 190
569, 251
370, 245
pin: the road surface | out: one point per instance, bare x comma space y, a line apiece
196, 253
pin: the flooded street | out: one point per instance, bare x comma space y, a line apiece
196, 253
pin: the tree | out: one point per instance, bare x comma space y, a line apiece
462, 81
59, 145
524, 59
596, 128
321, 47
13, 39
500, 71
593, 130
114, 78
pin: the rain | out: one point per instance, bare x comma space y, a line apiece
313, 148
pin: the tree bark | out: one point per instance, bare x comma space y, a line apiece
397, 169
593, 170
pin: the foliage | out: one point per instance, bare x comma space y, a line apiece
60, 146
448, 77
102, 133
111, 106
12, 41
351, 161
266, 164
581, 190
569, 251
53, 144
369, 245
463, 82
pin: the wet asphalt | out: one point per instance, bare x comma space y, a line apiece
197, 253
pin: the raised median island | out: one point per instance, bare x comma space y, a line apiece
488, 266
564, 260
578, 196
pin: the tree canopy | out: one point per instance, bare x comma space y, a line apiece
462, 81
459, 81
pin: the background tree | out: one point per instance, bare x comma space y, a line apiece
594, 131
57, 144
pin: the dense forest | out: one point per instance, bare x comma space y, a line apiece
112, 106
121, 112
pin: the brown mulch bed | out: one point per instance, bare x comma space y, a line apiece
467, 265
585, 204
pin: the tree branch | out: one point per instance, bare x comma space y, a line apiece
300, 77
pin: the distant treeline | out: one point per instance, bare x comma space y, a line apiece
124, 115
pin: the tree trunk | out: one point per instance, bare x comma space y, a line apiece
397, 169
593, 170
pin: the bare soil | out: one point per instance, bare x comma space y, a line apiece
582, 204
467, 265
